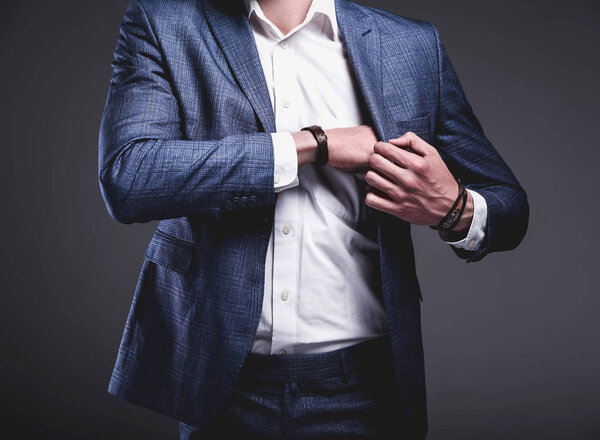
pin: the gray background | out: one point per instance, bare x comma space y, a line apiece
511, 342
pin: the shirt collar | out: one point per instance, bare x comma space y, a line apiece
325, 8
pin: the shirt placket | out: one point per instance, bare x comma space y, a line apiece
288, 219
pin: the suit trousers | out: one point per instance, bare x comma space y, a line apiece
345, 393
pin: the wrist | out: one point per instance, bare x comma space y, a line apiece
321, 138
454, 215
461, 230
467, 217
306, 147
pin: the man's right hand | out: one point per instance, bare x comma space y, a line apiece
349, 148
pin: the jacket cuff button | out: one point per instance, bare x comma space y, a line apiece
226, 205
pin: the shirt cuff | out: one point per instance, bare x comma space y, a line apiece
285, 158
476, 232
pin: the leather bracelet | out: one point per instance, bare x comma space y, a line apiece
453, 216
321, 138
456, 220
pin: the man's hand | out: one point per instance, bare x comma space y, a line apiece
410, 180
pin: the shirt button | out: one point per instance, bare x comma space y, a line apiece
284, 44
281, 352
472, 244
286, 104
276, 178
286, 229
284, 296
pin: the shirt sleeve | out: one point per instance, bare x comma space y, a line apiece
476, 232
285, 158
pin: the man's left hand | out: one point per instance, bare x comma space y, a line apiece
410, 180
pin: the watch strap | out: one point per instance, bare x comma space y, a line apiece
321, 138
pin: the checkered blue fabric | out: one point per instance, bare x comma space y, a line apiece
185, 139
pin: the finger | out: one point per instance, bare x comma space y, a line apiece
386, 167
402, 141
414, 142
380, 203
380, 193
376, 180
395, 154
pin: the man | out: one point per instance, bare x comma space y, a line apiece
286, 146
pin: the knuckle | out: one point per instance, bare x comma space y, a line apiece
380, 146
419, 165
374, 159
397, 194
410, 182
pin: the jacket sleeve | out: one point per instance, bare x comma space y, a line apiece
146, 170
468, 153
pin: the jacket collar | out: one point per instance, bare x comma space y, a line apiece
228, 20
318, 8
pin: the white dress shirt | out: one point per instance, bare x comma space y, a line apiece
322, 263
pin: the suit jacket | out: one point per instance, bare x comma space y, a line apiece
185, 139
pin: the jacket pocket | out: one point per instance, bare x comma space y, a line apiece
420, 126
170, 252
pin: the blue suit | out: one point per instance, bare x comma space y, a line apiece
185, 139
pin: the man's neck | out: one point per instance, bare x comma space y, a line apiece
285, 14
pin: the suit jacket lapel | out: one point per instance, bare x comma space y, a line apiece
361, 40
231, 28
